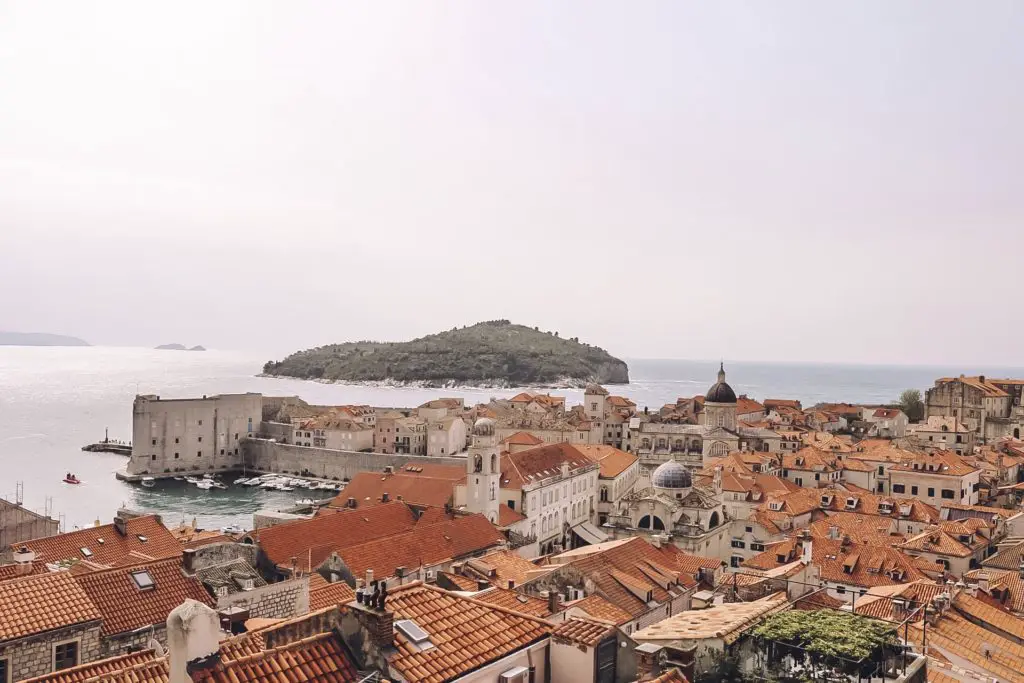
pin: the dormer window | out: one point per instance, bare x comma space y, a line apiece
221, 591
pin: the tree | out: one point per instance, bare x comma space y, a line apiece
910, 403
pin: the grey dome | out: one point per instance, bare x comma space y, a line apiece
483, 427
721, 392
672, 475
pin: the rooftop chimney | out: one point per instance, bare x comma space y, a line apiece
351, 502
648, 661
188, 560
193, 635
120, 525
553, 602
384, 497
369, 577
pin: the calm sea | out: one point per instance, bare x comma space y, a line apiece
55, 400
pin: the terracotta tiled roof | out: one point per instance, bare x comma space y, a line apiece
515, 601
835, 499
14, 571
978, 611
522, 439
819, 599
878, 602
43, 602
466, 633
98, 670
104, 545
582, 631
672, 676
321, 658
507, 566
946, 463
323, 594
855, 565
600, 609
620, 402
626, 566
536, 464
368, 488
457, 582
612, 461
315, 539
1010, 581
686, 563
781, 403
424, 545
940, 542
507, 516
984, 649
1007, 557
860, 528
126, 607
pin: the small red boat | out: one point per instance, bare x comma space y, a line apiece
72, 479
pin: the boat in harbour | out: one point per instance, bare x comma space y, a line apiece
148, 482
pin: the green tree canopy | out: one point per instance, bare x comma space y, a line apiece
911, 404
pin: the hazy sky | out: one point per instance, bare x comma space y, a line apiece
748, 180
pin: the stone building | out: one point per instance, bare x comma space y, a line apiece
47, 623
656, 442
674, 509
334, 432
991, 408
400, 433
19, 524
185, 435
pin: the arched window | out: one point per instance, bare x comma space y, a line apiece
713, 521
478, 464
645, 442
677, 445
718, 448
661, 442
494, 463
1016, 432
604, 494
658, 524
645, 522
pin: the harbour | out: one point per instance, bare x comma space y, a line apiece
56, 399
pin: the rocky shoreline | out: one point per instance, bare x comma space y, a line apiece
565, 383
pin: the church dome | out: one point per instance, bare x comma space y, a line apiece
483, 427
671, 475
721, 392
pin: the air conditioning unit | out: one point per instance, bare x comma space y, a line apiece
520, 674
431, 575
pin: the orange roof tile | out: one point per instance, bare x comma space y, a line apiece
507, 566
536, 464
582, 631
104, 545
671, 676
522, 439
323, 594
101, 669
126, 607
424, 545
507, 516
515, 601
982, 648
368, 488
466, 633
612, 461
855, 565
311, 541
43, 602
322, 658
601, 609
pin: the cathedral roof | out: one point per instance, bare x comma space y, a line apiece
720, 392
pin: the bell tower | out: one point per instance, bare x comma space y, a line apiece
483, 470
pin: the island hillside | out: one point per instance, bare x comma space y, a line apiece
494, 353
39, 339
179, 347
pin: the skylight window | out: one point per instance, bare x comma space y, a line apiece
144, 580
86, 552
142, 539
414, 634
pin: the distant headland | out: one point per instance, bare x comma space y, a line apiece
39, 339
493, 353
179, 347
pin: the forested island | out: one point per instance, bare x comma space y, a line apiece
493, 353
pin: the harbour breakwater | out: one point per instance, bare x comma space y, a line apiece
270, 456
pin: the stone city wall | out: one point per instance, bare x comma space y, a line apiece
269, 456
282, 600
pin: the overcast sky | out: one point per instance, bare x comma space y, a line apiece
762, 181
